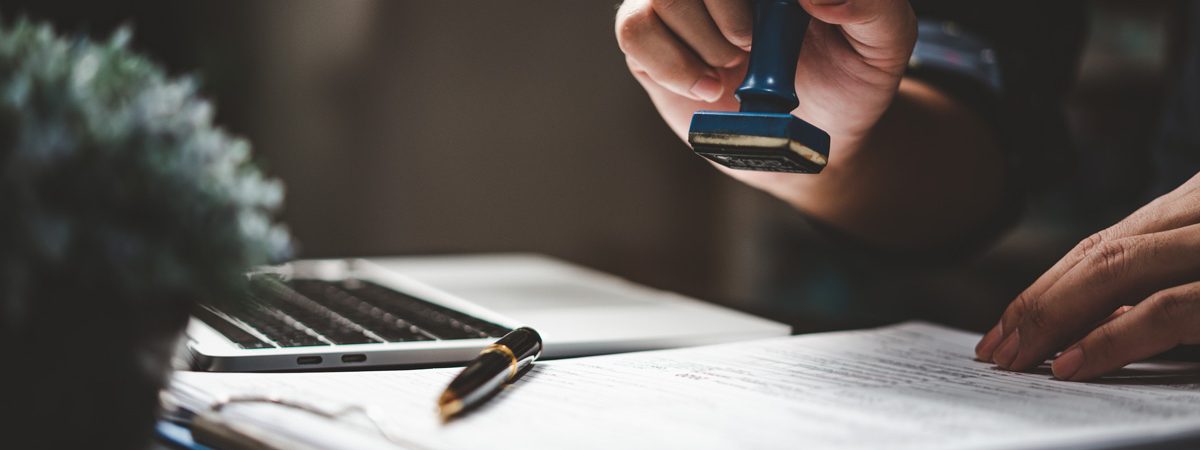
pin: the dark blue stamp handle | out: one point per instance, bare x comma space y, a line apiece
770, 84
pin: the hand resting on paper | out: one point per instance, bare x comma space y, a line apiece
1150, 260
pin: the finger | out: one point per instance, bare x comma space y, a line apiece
1118, 313
1174, 210
987, 344
1128, 268
993, 336
735, 19
881, 31
1163, 321
677, 111
1180, 204
646, 40
662, 96
985, 349
691, 22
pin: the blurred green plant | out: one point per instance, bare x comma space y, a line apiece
109, 166
121, 207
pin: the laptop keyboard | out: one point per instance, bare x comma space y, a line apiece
309, 312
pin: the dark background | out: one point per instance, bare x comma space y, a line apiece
415, 127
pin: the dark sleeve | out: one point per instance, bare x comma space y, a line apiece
1036, 47
1011, 62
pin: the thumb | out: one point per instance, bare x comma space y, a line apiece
881, 31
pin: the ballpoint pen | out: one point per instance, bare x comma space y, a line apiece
499, 363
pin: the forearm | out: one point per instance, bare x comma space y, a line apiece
929, 174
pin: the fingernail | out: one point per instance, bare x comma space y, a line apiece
987, 345
1067, 364
1008, 350
707, 88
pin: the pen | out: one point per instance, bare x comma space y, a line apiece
496, 365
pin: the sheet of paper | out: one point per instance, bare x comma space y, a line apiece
912, 385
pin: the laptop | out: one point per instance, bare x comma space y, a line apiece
442, 310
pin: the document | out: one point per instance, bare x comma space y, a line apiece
913, 385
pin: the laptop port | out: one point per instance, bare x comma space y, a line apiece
354, 358
308, 360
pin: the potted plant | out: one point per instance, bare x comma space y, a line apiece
121, 207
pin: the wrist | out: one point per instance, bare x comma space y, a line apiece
928, 174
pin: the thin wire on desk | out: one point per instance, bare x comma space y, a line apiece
370, 414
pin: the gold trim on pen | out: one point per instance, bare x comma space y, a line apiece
449, 406
504, 350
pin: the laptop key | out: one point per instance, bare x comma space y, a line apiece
308, 312
239, 336
312, 314
274, 326
415, 311
442, 322
383, 324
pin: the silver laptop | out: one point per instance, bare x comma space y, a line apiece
441, 310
